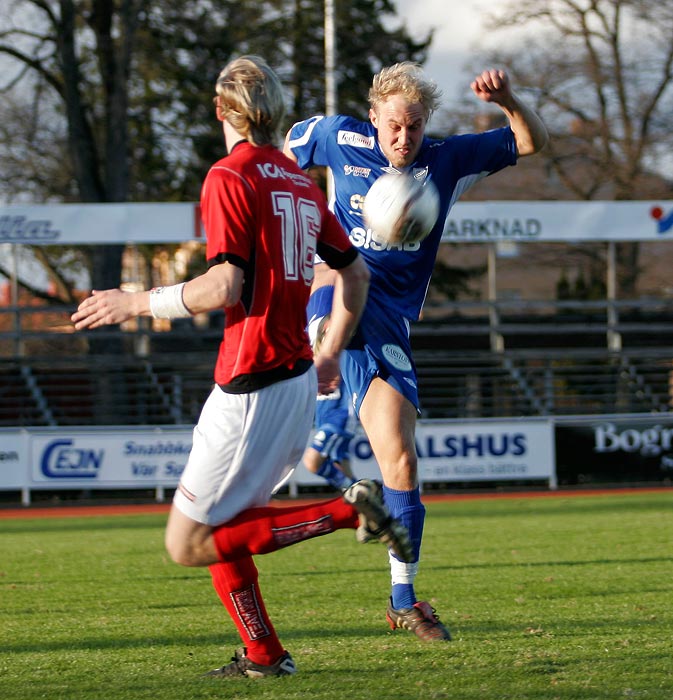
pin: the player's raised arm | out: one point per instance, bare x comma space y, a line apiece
529, 131
217, 288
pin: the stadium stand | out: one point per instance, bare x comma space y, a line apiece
554, 365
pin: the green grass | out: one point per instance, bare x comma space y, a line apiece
567, 597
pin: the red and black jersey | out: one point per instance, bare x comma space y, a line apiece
266, 216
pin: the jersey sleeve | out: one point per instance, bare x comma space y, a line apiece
307, 141
227, 209
334, 246
489, 151
461, 161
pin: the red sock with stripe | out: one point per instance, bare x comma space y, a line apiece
237, 586
266, 529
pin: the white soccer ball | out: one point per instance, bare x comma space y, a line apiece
400, 209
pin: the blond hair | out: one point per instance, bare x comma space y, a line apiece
250, 98
408, 80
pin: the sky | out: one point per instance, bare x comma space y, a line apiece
457, 31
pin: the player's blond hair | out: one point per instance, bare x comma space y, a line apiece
250, 98
406, 79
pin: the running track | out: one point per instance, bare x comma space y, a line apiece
148, 508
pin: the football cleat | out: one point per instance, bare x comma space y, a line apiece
363, 535
421, 619
242, 666
366, 497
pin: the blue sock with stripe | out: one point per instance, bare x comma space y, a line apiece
406, 507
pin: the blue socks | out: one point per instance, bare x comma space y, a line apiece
333, 475
406, 507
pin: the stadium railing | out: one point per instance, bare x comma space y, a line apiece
554, 359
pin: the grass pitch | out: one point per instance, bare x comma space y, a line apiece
564, 597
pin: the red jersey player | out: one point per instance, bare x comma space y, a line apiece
264, 220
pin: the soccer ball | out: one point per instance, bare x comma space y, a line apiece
400, 209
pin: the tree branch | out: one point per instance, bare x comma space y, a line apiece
34, 64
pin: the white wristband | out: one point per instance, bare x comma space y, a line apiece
166, 302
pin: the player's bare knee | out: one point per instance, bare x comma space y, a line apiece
181, 552
183, 556
401, 473
173, 550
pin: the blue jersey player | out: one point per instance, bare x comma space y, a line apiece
328, 453
378, 369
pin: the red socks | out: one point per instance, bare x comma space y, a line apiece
266, 529
237, 587
258, 531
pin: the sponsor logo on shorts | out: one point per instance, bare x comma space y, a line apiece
397, 357
249, 613
351, 138
284, 536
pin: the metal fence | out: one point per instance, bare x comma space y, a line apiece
170, 388
565, 361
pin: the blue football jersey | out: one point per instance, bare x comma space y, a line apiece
400, 274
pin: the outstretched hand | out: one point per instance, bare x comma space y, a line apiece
492, 86
103, 308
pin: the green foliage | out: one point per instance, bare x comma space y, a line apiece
581, 289
120, 106
452, 282
132, 84
565, 597
367, 38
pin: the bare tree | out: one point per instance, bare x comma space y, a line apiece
107, 100
83, 77
68, 68
601, 75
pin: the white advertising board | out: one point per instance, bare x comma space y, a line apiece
521, 222
128, 458
115, 458
76, 224
485, 451
14, 447
468, 222
464, 451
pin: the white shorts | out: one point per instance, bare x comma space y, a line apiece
245, 447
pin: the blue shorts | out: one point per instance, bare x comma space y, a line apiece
381, 347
